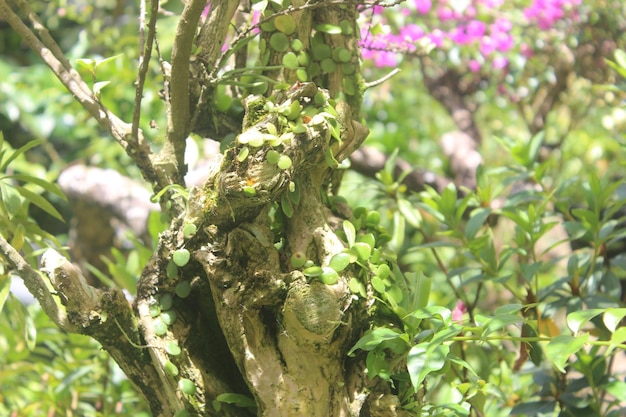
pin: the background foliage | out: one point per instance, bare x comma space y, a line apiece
505, 300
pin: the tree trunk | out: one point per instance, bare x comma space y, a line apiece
239, 311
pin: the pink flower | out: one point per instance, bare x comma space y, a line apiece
475, 29
526, 50
437, 37
458, 311
446, 13
474, 65
423, 6
501, 25
503, 42
411, 33
500, 62
487, 46
545, 13
491, 4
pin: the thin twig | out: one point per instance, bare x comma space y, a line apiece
178, 117
145, 46
51, 54
382, 79
35, 284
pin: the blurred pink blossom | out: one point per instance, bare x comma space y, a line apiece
458, 311
423, 6
500, 62
474, 65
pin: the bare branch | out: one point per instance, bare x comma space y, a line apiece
368, 161
144, 60
52, 55
36, 285
172, 156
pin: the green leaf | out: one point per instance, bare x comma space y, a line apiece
187, 386
476, 221
290, 61
285, 23
279, 42
362, 250
19, 152
172, 348
410, 212
616, 389
372, 338
397, 238
350, 232
284, 162
237, 399
533, 148
40, 202
243, 154
620, 57
577, 319
46, 185
562, 347
613, 317
329, 276
424, 359
357, 287
329, 28
339, 261
378, 284
10, 199
313, 271
181, 257
5, 287
501, 321
285, 205
429, 312
447, 202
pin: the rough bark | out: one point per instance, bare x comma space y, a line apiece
238, 316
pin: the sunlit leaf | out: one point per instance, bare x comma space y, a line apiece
424, 359
19, 152
577, 319
613, 317
559, 349
372, 338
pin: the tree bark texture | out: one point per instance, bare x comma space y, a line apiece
222, 308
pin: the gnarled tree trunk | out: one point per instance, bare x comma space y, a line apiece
239, 298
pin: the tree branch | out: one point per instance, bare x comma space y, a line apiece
37, 286
52, 55
172, 156
144, 61
368, 161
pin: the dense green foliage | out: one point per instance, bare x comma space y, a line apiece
507, 299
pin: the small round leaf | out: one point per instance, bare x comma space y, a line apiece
339, 261
329, 276
189, 230
166, 301
168, 317
284, 162
279, 42
272, 156
172, 348
285, 23
159, 327
290, 60
187, 386
181, 257
298, 259
183, 289
170, 368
